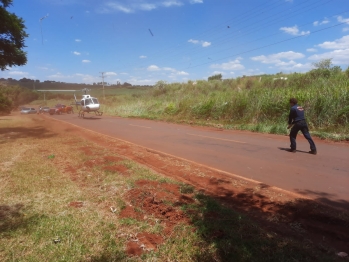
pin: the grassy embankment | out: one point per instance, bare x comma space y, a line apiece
251, 103
258, 104
55, 203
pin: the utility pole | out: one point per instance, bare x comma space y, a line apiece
103, 82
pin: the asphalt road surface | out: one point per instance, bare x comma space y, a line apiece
260, 157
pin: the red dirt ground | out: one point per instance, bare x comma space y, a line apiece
76, 204
154, 202
280, 211
144, 242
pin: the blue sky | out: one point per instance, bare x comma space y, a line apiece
144, 41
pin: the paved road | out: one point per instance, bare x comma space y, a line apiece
255, 156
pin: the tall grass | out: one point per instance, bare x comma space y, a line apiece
255, 103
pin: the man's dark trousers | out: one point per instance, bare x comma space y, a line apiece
303, 127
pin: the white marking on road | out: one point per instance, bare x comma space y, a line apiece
235, 141
140, 126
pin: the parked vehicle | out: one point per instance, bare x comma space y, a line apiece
45, 109
28, 110
68, 109
59, 109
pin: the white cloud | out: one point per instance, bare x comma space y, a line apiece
193, 41
169, 69
284, 61
110, 74
142, 57
340, 19
311, 50
345, 29
147, 7
133, 6
171, 3
202, 43
294, 31
86, 61
341, 43
77, 78
277, 58
42, 67
173, 72
340, 56
153, 68
77, 40
206, 44
196, 1
182, 73
296, 67
232, 65
76, 53
323, 22
109, 7
18, 73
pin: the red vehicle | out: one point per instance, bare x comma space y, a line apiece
59, 109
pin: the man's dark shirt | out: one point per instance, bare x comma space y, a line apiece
296, 114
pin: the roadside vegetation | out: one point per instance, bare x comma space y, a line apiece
258, 103
66, 198
11, 97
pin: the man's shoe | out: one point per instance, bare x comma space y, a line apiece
292, 150
313, 152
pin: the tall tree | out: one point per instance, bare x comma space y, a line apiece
12, 35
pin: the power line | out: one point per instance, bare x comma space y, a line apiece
278, 33
279, 42
252, 30
244, 16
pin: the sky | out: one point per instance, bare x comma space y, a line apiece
144, 41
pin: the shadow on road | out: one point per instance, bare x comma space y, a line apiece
325, 198
287, 149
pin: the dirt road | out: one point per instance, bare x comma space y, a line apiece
259, 157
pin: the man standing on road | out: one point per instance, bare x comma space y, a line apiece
296, 120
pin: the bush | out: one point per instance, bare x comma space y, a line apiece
18, 95
5, 105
